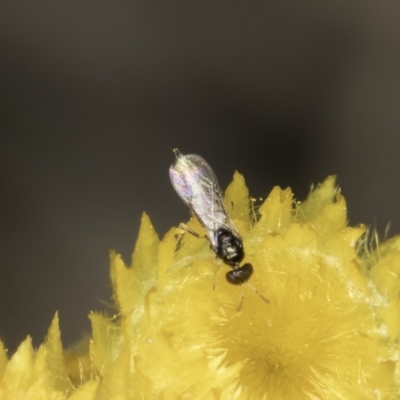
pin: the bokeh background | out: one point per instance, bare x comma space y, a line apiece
95, 94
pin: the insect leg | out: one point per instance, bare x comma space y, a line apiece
190, 230
239, 308
215, 277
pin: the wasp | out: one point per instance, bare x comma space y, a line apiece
196, 184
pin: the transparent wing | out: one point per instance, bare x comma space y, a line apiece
197, 185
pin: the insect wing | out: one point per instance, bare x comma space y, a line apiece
195, 182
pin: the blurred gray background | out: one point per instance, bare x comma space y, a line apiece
95, 94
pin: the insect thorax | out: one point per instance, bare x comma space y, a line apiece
229, 247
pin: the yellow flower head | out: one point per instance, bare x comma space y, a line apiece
318, 319
184, 332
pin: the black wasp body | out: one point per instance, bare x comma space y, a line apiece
197, 185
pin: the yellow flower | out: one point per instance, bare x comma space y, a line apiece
319, 318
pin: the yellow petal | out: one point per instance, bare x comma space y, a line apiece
88, 391
18, 374
3, 359
55, 359
237, 201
